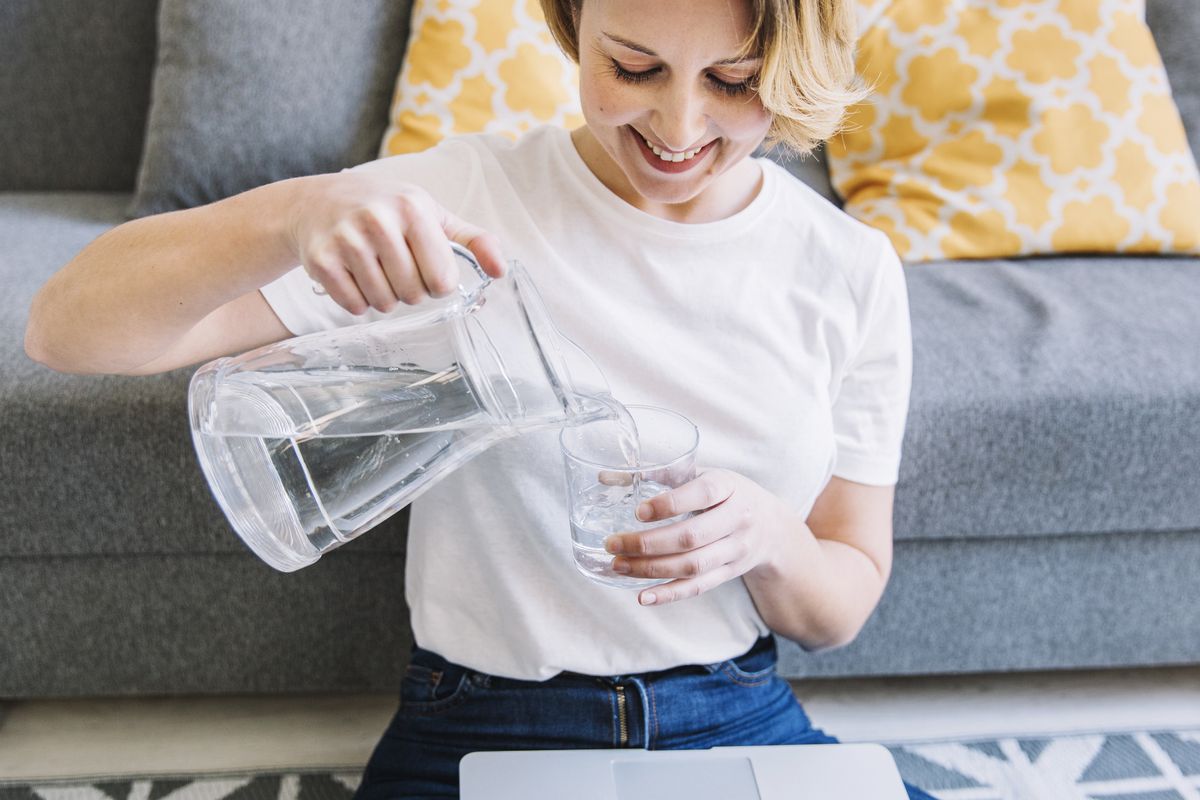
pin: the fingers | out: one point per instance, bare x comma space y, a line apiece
361, 261
374, 247
396, 260
691, 572
435, 261
612, 477
327, 270
677, 537
725, 550
705, 491
689, 587
484, 245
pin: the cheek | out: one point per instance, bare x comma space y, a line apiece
603, 102
748, 121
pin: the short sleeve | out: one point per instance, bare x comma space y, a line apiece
446, 171
871, 404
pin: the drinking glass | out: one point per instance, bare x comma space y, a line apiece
606, 481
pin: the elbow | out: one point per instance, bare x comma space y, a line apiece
45, 358
39, 347
35, 337
822, 639
828, 643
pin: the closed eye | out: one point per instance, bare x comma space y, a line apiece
630, 76
731, 89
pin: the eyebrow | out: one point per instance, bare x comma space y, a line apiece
725, 62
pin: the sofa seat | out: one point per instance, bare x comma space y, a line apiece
1052, 396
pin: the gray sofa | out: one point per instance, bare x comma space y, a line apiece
1047, 516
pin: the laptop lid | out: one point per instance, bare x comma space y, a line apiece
781, 772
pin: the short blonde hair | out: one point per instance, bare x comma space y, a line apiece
807, 79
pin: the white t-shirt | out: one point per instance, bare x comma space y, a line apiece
781, 331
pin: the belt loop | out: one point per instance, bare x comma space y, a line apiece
644, 695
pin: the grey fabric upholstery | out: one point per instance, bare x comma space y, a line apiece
118, 573
812, 169
1056, 395
1176, 28
1011, 604
249, 93
93, 465
199, 624
74, 90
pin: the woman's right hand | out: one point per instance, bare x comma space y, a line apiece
372, 243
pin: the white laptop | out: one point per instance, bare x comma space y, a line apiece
780, 772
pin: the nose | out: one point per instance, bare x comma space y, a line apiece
679, 119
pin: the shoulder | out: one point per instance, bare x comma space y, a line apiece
537, 143
460, 167
858, 255
468, 159
535, 149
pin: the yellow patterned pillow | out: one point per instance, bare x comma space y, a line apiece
1006, 127
479, 66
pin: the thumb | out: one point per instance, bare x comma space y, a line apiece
484, 245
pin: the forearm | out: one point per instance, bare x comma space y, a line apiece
132, 292
817, 592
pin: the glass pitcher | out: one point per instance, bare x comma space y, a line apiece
309, 442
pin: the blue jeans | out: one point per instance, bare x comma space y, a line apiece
447, 711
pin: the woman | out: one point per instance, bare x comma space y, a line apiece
699, 278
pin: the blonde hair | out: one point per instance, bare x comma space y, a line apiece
807, 79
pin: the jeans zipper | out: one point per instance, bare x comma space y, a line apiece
622, 723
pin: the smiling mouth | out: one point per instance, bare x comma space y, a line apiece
670, 155
669, 161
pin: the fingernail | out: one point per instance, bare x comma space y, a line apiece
643, 511
612, 544
648, 599
620, 565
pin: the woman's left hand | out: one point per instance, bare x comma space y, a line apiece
739, 526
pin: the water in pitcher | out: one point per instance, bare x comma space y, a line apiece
348, 446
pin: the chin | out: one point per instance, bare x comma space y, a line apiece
671, 195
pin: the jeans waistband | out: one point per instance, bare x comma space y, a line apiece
761, 656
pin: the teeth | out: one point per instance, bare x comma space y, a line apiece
667, 155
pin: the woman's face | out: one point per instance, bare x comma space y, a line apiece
666, 96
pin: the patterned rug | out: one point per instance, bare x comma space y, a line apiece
1147, 765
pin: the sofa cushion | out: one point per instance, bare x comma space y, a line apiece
74, 90
1057, 136
488, 67
249, 93
96, 465
1052, 396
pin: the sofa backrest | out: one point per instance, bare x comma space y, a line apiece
75, 83
74, 92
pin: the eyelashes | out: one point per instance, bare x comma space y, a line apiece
628, 76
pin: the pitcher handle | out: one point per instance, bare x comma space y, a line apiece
468, 271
